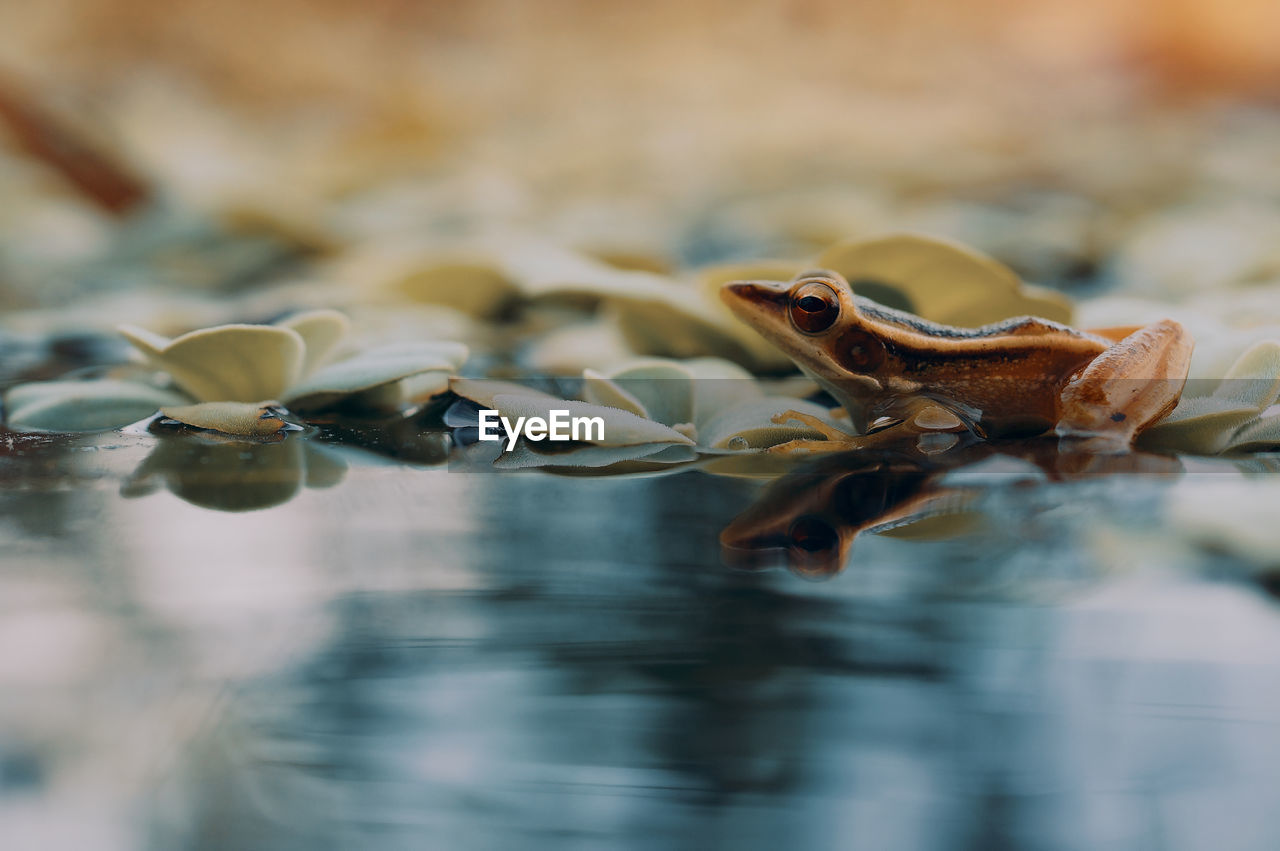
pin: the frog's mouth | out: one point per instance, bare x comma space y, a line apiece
760, 304
764, 306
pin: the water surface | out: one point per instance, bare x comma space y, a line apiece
308, 646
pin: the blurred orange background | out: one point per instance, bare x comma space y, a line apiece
633, 85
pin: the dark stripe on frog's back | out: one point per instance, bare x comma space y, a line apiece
1012, 371
1014, 348
1016, 325
1007, 380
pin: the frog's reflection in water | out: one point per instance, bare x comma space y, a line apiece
811, 517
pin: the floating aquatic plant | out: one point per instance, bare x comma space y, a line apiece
655, 410
236, 378
664, 316
655, 314
941, 280
1233, 386
936, 279
1212, 245
1237, 414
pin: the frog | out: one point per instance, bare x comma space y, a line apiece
895, 374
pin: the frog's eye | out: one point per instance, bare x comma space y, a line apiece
814, 307
815, 550
812, 534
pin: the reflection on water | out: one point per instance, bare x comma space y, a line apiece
233, 474
414, 658
813, 514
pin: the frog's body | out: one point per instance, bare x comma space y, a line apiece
1020, 377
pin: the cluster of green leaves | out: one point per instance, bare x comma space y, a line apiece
687, 390
237, 379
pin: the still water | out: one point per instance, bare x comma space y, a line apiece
209, 646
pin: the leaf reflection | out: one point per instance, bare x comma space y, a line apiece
226, 474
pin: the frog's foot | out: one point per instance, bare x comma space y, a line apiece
925, 422
833, 439
1128, 387
828, 431
809, 446
924, 416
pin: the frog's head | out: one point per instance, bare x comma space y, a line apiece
816, 322
812, 516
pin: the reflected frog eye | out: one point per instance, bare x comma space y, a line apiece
811, 535
814, 307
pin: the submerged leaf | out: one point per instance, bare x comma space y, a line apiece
96, 405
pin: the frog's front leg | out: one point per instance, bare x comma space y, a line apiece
1128, 387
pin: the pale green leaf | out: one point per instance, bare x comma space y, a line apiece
544, 270
483, 391
321, 332
1254, 379
227, 363
1209, 424
718, 384
660, 390
599, 390
749, 425
526, 455
379, 366
687, 327
239, 418
420, 387
96, 405
621, 428
473, 287
570, 349
1257, 436
940, 280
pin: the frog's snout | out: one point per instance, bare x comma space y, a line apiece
757, 294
